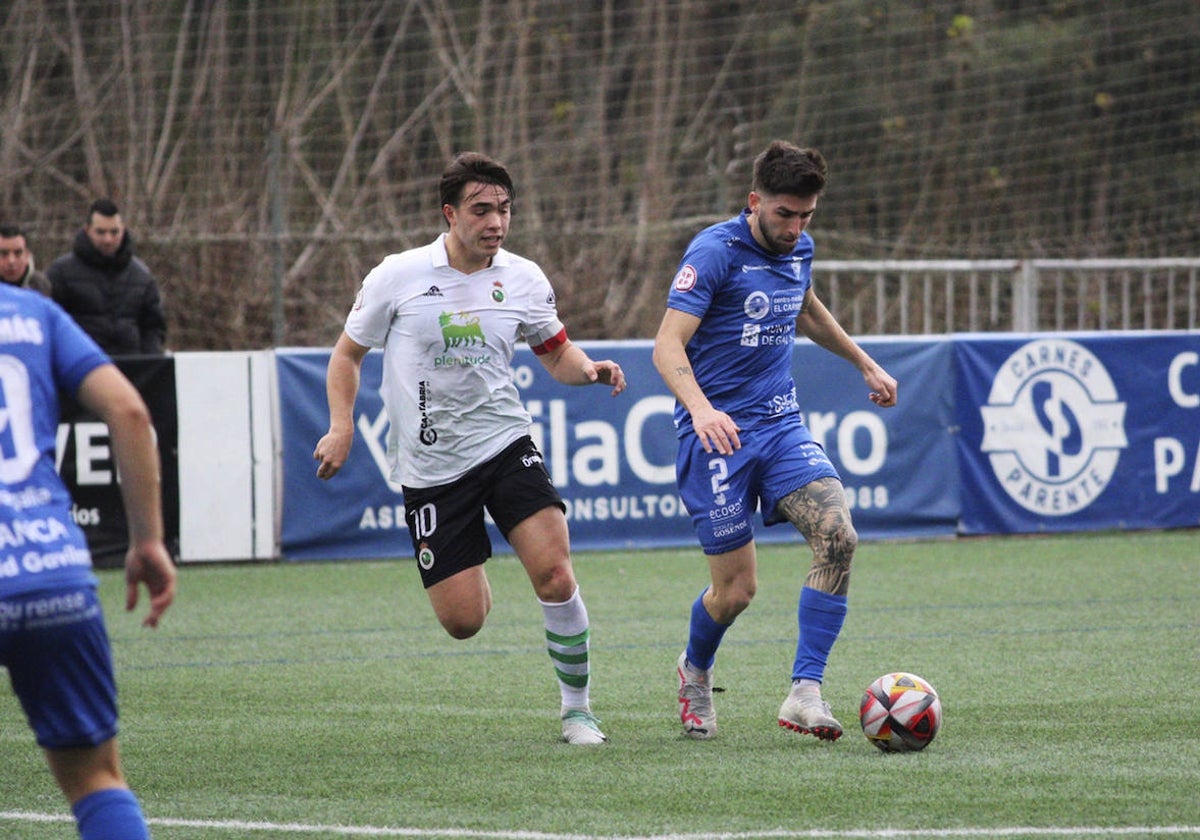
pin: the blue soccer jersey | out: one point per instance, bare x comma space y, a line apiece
748, 300
42, 351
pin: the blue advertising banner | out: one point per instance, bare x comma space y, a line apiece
613, 458
897, 464
1079, 432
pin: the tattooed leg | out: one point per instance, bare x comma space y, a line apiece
819, 512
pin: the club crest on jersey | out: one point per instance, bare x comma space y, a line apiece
685, 280
798, 269
498, 291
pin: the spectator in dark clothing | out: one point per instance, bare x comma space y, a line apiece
16, 261
107, 290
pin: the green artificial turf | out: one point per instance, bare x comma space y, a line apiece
284, 700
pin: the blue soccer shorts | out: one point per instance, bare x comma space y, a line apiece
722, 492
57, 653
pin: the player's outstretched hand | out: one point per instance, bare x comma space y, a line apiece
610, 373
150, 563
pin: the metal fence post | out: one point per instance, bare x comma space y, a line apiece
1025, 297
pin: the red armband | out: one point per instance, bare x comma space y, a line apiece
557, 340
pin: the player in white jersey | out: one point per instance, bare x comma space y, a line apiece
724, 349
449, 316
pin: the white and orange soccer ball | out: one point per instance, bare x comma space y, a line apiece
900, 712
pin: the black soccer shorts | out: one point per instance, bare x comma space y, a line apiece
447, 522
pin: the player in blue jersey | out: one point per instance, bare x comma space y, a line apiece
724, 349
52, 634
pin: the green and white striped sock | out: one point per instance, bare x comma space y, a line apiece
567, 636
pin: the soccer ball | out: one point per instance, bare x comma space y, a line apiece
900, 712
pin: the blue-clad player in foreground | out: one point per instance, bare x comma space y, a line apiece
52, 633
724, 348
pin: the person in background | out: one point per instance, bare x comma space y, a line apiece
16, 261
53, 639
724, 348
107, 289
449, 316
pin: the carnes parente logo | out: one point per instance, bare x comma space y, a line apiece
1053, 427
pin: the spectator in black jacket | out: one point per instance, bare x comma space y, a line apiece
16, 261
107, 290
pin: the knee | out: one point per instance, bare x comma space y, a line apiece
846, 540
462, 627
728, 602
837, 542
554, 584
464, 622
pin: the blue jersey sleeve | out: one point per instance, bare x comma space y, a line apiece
704, 265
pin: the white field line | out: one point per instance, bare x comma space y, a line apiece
780, 834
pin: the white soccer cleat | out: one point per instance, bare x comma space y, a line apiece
805, 712
696, 711
580, 726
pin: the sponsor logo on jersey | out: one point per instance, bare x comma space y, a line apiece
770, 335
1053, 427
460, 330
434, 291
461, 334
685, 280
787, 303
757, 305
428, 434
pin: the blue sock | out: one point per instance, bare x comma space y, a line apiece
820, 616
704, 636
110, 814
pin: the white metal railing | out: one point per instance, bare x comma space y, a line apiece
901, 297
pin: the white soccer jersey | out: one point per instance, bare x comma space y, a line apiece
448, 340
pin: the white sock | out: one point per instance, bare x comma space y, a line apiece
567, 635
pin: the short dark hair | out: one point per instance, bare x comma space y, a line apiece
12, 231
103, 206
786, 169
472, 166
